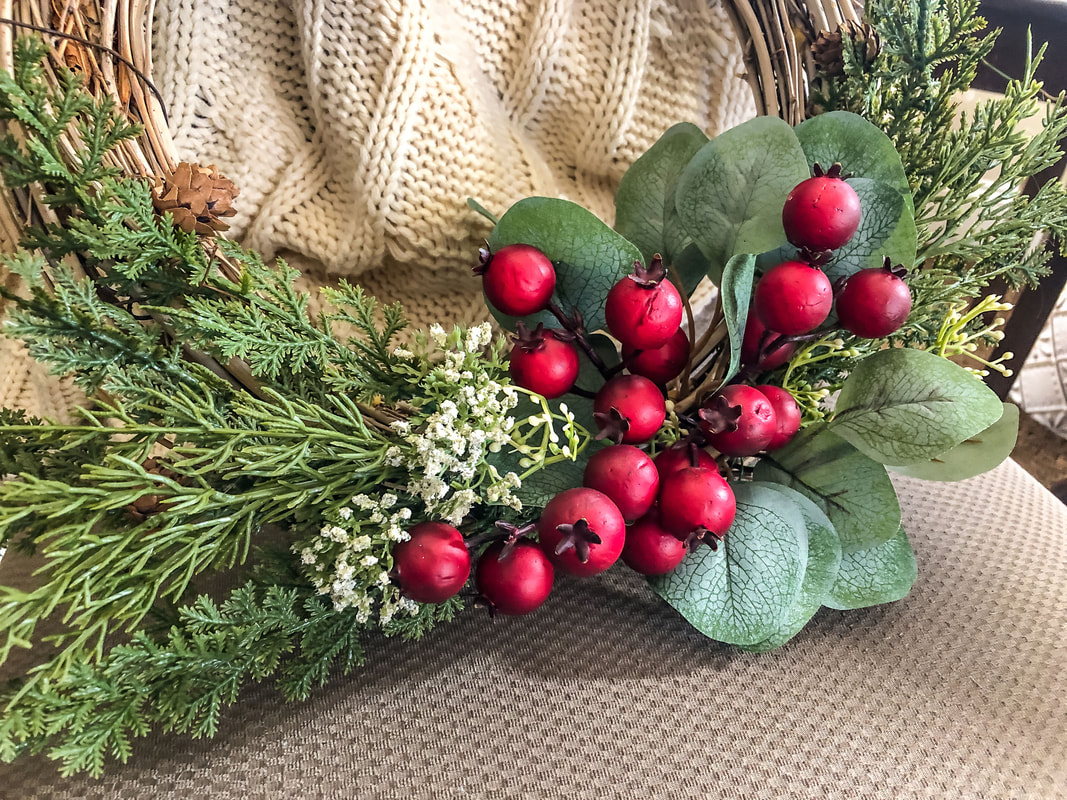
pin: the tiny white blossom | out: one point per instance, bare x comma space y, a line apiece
345, 513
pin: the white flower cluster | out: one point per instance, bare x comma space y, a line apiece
445, 456
350, 558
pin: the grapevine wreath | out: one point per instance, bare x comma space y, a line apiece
711, 393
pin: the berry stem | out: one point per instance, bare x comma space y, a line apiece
578, 390
574, 326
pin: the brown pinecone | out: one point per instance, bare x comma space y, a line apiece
197, 197
827, 47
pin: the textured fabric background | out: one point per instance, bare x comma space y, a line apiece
955, 692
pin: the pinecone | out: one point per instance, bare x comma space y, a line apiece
197, 197
827, 47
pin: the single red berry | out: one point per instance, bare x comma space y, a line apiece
661, 364
544, 361
761, 349
629, 409
433, 564
626, 475
786, 414
650, 549
695, 499
519, 582
823, 212
739, 420
517, 279
873, 303
581, 531
643, 310
793, 298
680, 455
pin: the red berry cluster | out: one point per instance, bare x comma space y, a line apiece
651, 512
792, 299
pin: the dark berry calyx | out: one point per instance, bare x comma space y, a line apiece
613, 425
896, 270
835, 171
702, 535
577, 536
815, 258
484, 257
719, 416
650, 276
513, 534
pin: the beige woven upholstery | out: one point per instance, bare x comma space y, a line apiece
956, 692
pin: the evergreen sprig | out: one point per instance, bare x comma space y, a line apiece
182, 681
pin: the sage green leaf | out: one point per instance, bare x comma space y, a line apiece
973, 456
820, 572
730, 196
541, 486
862, 148
900, 406
881, 574
589, 256
644, 204
887, 229
853, 490
735, 290
740, 592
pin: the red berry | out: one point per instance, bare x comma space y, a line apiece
626, 475
433, 564
679, 456
517, 584
661, 364
786, 413
739, 420
650, 549
629, 409
543, 362
873, 303
793, 298
821, 213
695, 498
582, 531
767, 356
518, 279
644, 310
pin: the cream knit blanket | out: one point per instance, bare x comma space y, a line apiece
357, 130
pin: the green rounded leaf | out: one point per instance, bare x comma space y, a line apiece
589, 256
820, 572
901, 406
730, 196
881, 574
740, 592
644, 205
852, 490
972, 456
862, 148
887, 230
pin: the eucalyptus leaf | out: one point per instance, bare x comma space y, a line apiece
901, 406
740, 592
544, 484
853, 490
887, 230
882, 574
589, 256
862, 148
730, 196
735, 291
820, 572
972, 456
645, 212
